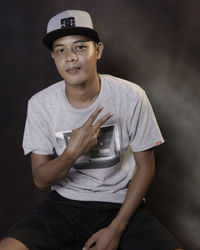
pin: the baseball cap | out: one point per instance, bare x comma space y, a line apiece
70, 22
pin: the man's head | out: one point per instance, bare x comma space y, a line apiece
75, 46
70, 22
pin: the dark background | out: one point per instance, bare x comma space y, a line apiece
151, 42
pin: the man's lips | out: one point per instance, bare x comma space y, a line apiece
72, 70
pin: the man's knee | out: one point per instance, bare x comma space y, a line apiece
11, 243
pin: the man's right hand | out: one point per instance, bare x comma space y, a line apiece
84, 138
47, 171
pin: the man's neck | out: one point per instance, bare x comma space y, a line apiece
83, 95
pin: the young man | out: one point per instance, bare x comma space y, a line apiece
103, 131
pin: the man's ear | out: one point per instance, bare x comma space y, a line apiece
52, 54
99, 50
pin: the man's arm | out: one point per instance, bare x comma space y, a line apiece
108, 238
47, 172
137, 188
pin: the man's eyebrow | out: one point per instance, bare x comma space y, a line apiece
83, 41
77, 41
57, 45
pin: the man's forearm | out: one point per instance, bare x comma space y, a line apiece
52, 171
136, 190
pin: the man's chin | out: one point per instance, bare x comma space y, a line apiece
74, 82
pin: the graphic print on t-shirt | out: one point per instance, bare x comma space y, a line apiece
105, 154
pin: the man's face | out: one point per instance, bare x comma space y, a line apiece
76, 58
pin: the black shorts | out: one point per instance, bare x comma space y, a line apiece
60, 223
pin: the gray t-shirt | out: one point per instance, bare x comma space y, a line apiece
103, 174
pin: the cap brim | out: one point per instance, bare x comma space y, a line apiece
52, 36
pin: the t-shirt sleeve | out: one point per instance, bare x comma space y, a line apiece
37, 137
144, 132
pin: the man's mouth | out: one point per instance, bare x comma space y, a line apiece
73, 70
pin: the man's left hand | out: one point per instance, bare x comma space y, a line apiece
105, 239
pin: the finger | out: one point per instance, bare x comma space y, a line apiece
93, 116
89, 243
91, 248
102, 120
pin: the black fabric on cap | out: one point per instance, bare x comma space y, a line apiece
53, 35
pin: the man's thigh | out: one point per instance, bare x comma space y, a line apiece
145, 232
53, 224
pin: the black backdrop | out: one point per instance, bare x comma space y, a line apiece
151, 42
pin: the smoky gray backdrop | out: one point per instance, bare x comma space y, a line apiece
151, 42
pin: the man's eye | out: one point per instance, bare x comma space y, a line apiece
80, 47
59, 51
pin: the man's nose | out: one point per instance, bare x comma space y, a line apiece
71, 56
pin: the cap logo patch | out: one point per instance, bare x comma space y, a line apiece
68, 22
